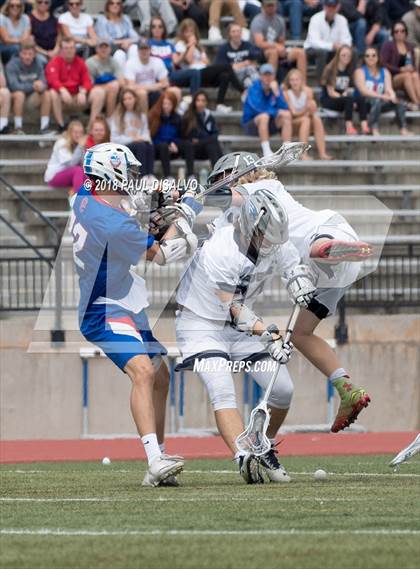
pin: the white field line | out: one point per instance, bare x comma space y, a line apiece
108, 469
211, 498
208, 533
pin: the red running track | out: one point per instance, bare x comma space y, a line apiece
294, 444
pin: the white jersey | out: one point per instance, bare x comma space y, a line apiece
304, 225
222, 264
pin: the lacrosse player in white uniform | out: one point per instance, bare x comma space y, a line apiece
216, 324
330, 246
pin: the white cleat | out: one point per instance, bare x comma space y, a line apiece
274, 470
407, 452
162, 468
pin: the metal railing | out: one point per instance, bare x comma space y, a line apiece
28, 284
57, 334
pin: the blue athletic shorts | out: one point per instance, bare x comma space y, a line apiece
120, 334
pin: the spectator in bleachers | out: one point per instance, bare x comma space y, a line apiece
145, 9
45, 29
327, 32
129, 126
337, 92
397, 55
366, 22
354, 11
190, 9
266, 111
27, 83
165, 129
99, 132
396, 9
147, 75
15, 28
224, 7
268, 32
412, 20
106, 73
64, 168
191, 55
165, 50
241, 55
117, 26
302, 106
79, 26
70, 83
297, 10
199, 127
374, 82
4, 102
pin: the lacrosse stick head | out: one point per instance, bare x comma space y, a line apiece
254, 439
286, 154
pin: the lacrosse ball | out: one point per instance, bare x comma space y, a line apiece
320, 474
106, 461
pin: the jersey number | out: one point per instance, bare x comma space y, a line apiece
79, 235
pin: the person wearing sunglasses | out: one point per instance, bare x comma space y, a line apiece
143, 10
163, 49
15, 28
374, 82
397, 56
118, 27
45, 30
79, 26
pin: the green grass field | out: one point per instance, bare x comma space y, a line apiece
363, 516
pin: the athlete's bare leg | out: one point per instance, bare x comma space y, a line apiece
142, 374
230, 426
160, 395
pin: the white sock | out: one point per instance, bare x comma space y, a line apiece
151, 446
4, 121
339, 372
266, 148
272, 441
18, 122
45, 121
162, 448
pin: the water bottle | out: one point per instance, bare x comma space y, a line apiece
203, 175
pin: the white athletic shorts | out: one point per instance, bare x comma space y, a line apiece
196, 335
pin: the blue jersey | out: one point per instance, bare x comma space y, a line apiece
106, 242
376, 84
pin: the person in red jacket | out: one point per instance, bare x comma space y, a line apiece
71, 86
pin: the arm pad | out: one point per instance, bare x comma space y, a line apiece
245, 319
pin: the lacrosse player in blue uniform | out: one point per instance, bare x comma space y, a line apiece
107, 241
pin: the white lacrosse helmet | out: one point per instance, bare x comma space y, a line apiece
114, 163
264, 221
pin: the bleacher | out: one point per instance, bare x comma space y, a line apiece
386, 166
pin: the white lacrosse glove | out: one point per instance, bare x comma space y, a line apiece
301, 285
181, 246
278, 349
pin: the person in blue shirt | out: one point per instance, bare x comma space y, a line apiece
164, 49
107, 241
265, 110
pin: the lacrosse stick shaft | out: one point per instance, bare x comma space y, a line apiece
275, 160
287, 337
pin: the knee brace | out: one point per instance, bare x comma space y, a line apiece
219, 384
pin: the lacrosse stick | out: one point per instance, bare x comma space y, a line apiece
286, 154
407, 453
254, 439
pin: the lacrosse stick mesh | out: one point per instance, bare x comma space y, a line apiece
286, 154
254, 438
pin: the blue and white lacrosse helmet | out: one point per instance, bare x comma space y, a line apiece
116, 165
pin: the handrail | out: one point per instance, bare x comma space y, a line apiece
57, 334
31, 206
25, 240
